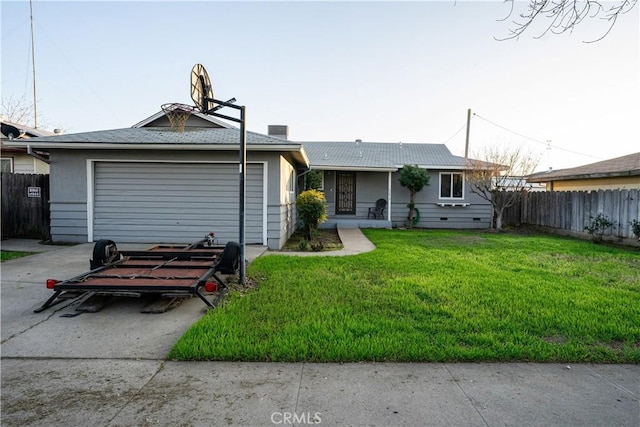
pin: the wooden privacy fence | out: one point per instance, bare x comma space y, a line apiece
571, 210
25, 206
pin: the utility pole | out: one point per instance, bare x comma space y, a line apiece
33, 60
466, 144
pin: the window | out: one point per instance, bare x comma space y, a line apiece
7, 164
451, 185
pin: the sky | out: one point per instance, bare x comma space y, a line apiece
336, 71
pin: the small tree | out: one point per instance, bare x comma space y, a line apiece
313, 180
415, 179
499, 177
312, 211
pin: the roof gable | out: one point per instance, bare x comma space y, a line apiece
196, 119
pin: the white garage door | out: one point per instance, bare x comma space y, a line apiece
174, 202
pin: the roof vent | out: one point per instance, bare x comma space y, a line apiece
58, 131
358, 141
400, 144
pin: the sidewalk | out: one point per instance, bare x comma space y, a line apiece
109, 369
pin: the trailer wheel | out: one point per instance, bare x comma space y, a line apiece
104, 252
229, 259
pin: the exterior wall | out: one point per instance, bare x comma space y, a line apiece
371, 186
69, 192
613, 183
24, 163
282, 216
477, 214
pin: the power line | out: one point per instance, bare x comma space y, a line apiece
457, 132
546, 144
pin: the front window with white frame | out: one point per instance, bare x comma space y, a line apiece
451, 185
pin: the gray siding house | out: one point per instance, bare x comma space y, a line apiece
153, 184
356, 174
150, 183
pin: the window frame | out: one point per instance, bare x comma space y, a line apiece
10, 159
451, 188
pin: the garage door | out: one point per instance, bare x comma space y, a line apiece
174, 202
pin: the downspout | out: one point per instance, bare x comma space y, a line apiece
36, 155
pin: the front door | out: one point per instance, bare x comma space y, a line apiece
345, 193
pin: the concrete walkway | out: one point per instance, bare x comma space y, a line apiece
110, 369
353, 240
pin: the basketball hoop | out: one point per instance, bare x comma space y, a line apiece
178, 114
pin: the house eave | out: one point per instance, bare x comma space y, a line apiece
351, 168
574, 177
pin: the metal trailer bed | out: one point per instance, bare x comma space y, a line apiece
169, 271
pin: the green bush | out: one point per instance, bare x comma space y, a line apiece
635, 227
312, 211
598, 225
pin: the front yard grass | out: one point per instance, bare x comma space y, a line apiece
7, 255
433, 295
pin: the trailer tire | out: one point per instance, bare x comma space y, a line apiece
104, 252
229, 259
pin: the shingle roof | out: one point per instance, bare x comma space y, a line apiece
379, 155
628, 165
162, 135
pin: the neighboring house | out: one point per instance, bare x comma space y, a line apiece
621, 173
18, 159
153, 184
356, 174
150, 183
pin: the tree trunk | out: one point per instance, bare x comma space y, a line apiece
412, 210
499, 219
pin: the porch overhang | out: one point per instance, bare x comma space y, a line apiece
352, 169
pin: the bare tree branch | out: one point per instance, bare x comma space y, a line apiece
564, 15
498, 177
17, 110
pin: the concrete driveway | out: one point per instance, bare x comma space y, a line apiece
117, 331
109, 369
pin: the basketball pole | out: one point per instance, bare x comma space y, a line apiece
242, 167
243, 187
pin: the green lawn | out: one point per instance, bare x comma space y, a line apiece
433, 296
7, 255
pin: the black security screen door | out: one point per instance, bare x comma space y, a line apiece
346, 193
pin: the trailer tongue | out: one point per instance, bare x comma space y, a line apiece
176, 271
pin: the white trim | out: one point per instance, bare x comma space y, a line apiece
389, 197
440, 185
265, 188
91, 185
352, 169
90, 207
464, 205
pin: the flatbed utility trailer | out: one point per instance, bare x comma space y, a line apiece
168, 271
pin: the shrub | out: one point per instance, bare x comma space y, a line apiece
598, 225
635, 227
312, 211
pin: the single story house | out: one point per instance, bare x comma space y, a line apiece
621, 173
20, 159
152, 184
356, 174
